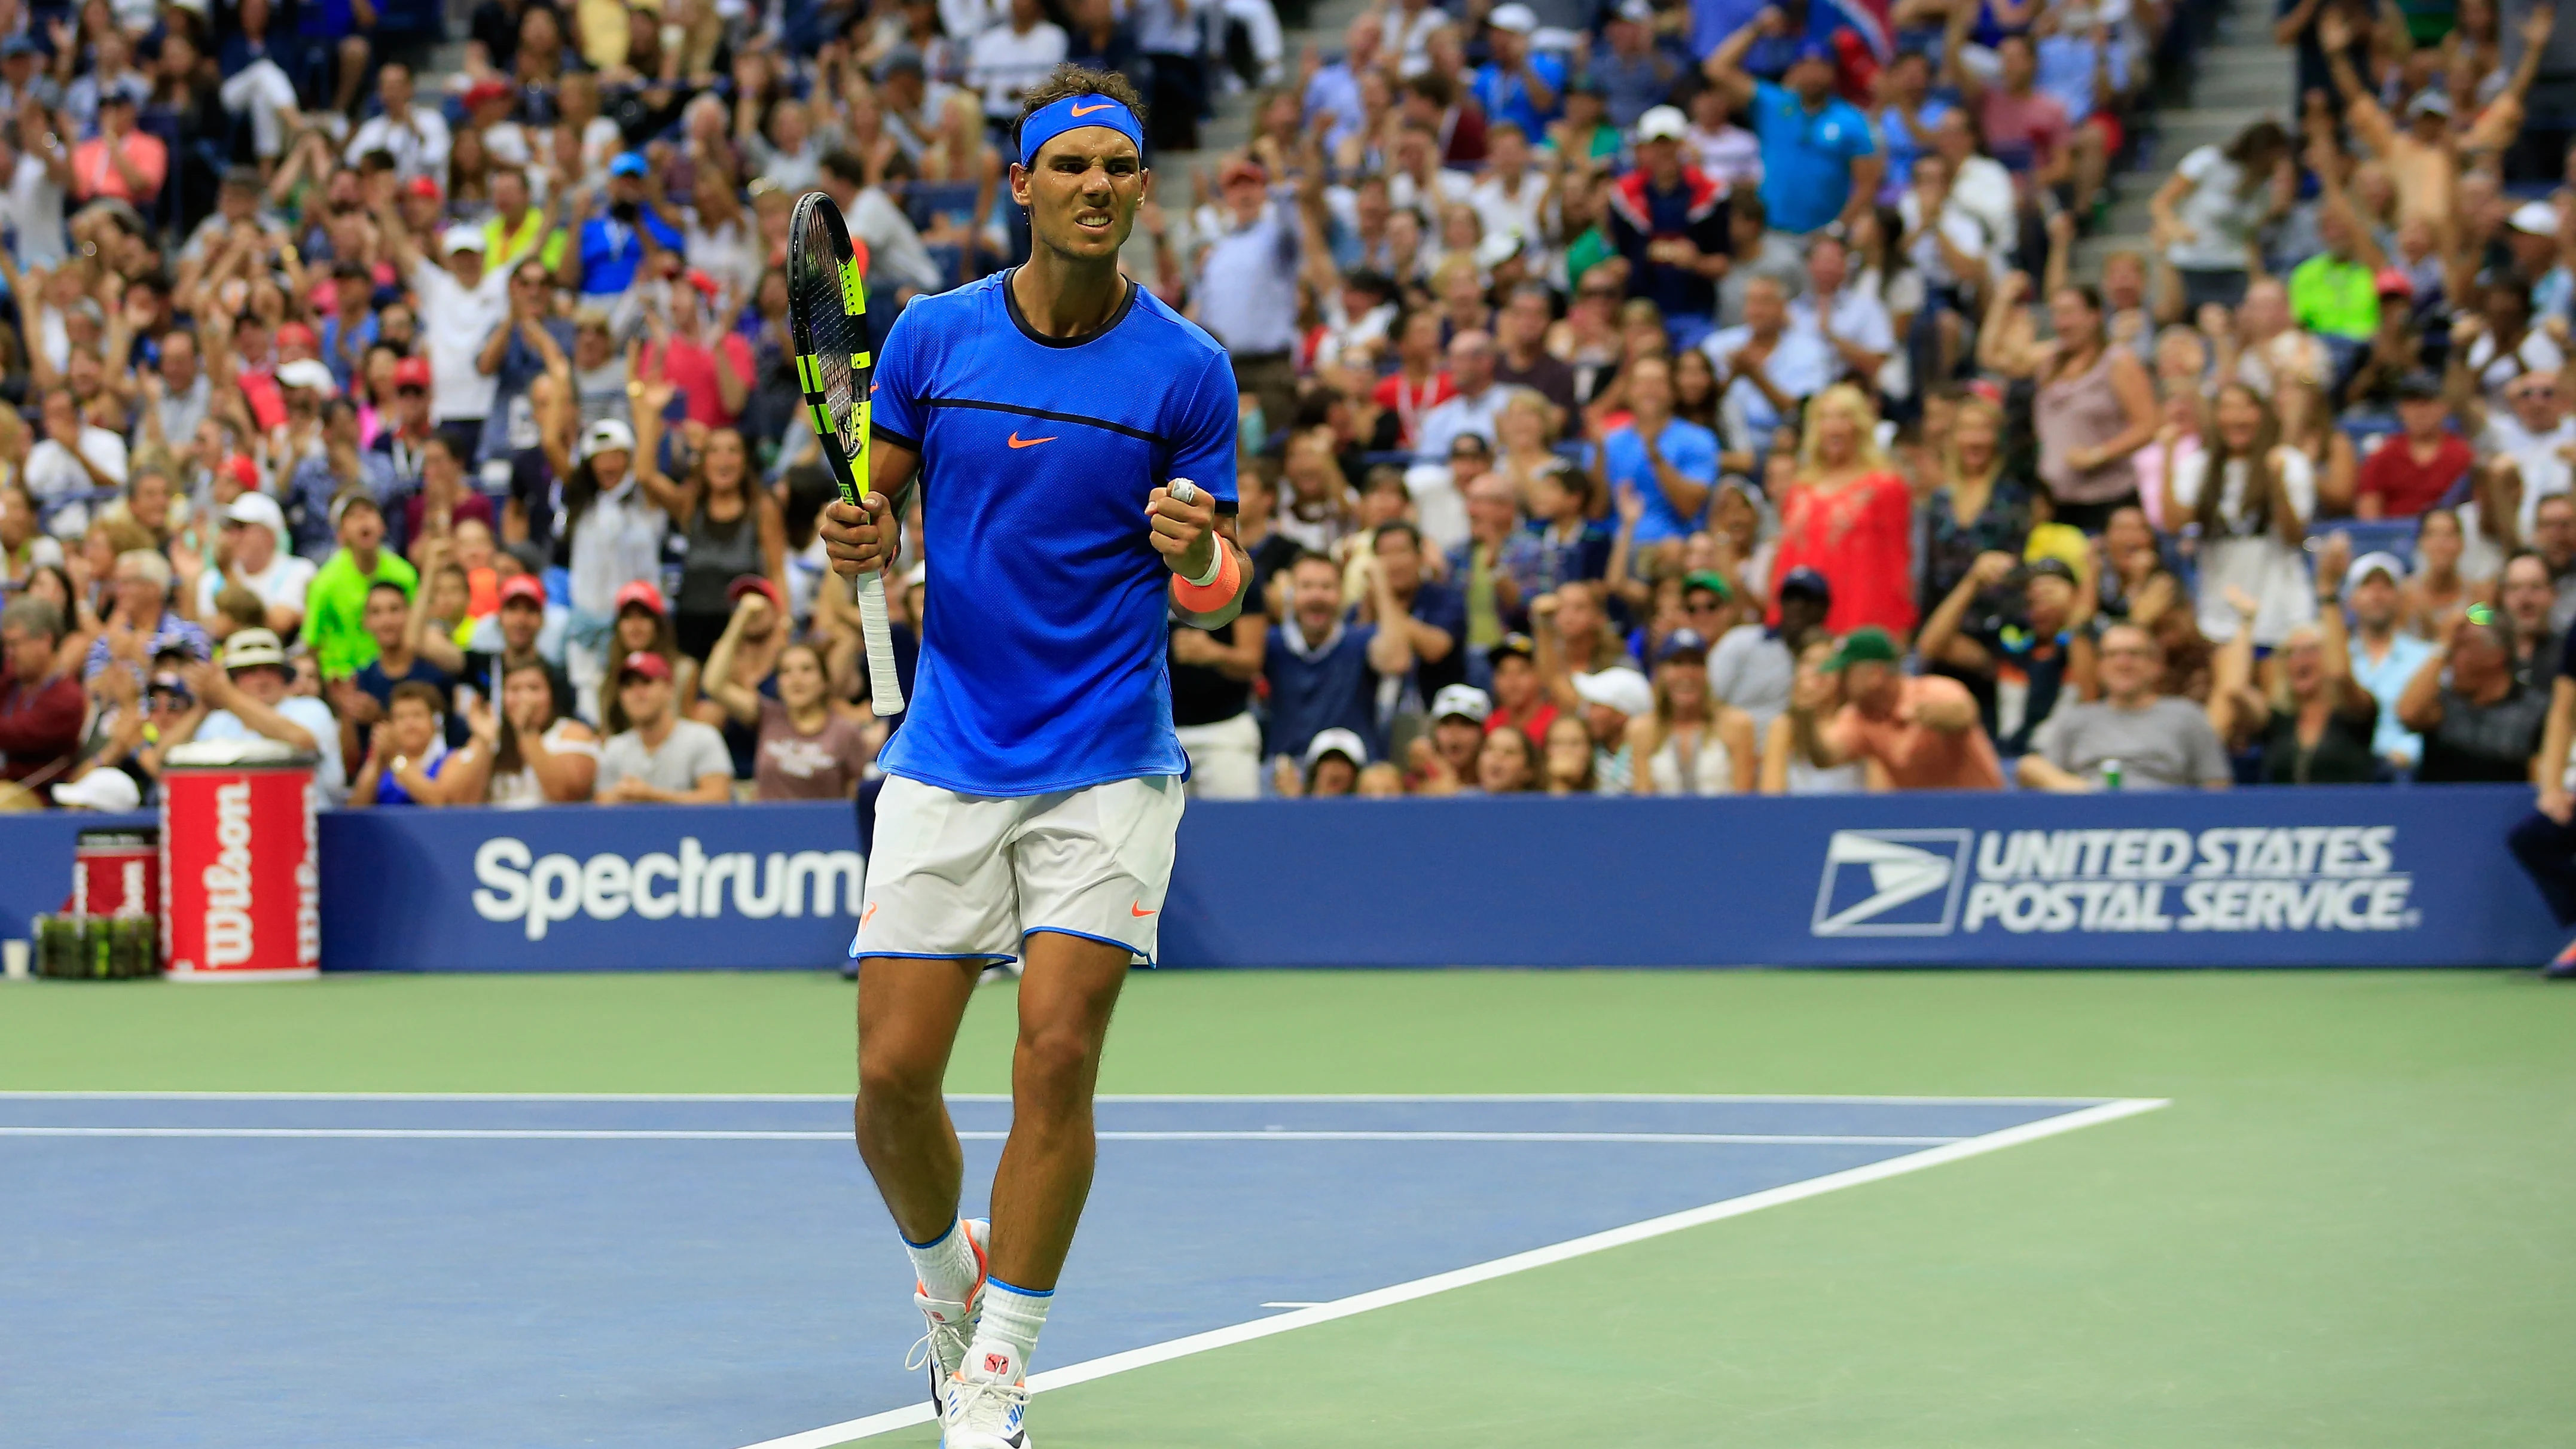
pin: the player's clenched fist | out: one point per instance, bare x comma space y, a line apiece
860, 537
1182, 516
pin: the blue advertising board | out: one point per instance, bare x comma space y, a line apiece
2320, 876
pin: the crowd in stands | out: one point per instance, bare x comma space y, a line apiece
1676, 399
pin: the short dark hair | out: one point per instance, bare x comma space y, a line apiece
385, 585
417, 689
1307, 556
845, 167
1074, 80
1393, 527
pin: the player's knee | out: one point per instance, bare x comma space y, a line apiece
1056, 1056
892, 1081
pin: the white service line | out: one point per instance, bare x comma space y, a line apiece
655, 1134
1147, 1357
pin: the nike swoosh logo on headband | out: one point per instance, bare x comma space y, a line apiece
1087, 110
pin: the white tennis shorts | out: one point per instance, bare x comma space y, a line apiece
967, 876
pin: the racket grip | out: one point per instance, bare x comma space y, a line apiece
885, 687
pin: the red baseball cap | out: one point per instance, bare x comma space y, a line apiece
486, 90
702, 281
421, 186
2394, 283
244, 471
523, 586
295, 334
754, 584
642, 595
644, 662
412, 372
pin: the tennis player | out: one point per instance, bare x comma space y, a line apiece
1074, 440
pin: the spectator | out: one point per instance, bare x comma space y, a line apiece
335, 627
1247, 281
1331, 766
252, 555
249, 698
1522, 359
1506, 764
414, 135
1851, 321
1474, 403
2253, 523
1566, 757
2023, 667
74, 456
2416, 468
2388, 656
1434, 615
1765, 367
142, 615
2133, 738
1920, 731
2524, 597
2477, 720
1612, 699
1669, 221
1754, 664
1849, 515
1691, 743
463, 304
1819, 161
508, 641
806, 749
1521, 698
41, 704
2095, 407
120, 163
407, 755
1667, 465
1786, 770
617, 509
660, 758
1977, 508
362, 699
527, 752
1323, 672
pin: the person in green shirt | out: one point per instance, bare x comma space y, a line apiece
2335, 294
335, 604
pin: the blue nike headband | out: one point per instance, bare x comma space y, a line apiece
1072, 114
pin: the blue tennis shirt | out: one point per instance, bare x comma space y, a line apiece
1043, 641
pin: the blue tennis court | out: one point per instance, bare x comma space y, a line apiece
242, 1272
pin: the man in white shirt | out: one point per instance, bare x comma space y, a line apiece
1513, 199
1008, 59
1765, 365
1477, 404
414, 135
37, 175
460, 305
1854, 324
896, 256
2527, 444
254, 555
75, 457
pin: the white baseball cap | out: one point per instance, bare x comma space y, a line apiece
1463, 700
1663, 123
1515, 17
1622, 689
2537, 218
305, 372
606, 436
462, 238
1346, 743
257, 508
2377, 561
107, 790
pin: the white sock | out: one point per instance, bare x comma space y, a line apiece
946, 1265
1008, 1332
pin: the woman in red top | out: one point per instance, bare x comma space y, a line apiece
1849, 516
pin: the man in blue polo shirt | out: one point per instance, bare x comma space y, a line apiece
609, 246
1324, 671
1669, 464
1819, 161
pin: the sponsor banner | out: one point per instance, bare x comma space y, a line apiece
581, 888
2313, 877
2316, 877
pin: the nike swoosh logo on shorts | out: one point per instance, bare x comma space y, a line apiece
1138, 910
1087, 110
1017, 441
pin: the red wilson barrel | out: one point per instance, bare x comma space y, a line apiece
241, 871
116, 873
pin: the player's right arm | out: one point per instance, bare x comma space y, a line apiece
866, 536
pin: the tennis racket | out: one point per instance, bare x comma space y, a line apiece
827, 322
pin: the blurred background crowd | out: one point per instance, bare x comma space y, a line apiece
1659, 398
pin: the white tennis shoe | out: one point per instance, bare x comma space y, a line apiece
984, 1412
942, 1350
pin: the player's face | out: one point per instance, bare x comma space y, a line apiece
1083, 193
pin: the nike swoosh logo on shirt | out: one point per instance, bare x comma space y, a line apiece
1017, 441
1138, 910
1087, 110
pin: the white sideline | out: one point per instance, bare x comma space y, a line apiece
1116, 1363
649, 1134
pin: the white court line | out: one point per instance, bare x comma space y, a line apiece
1185, 1097
1117, 1363
605, 1134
